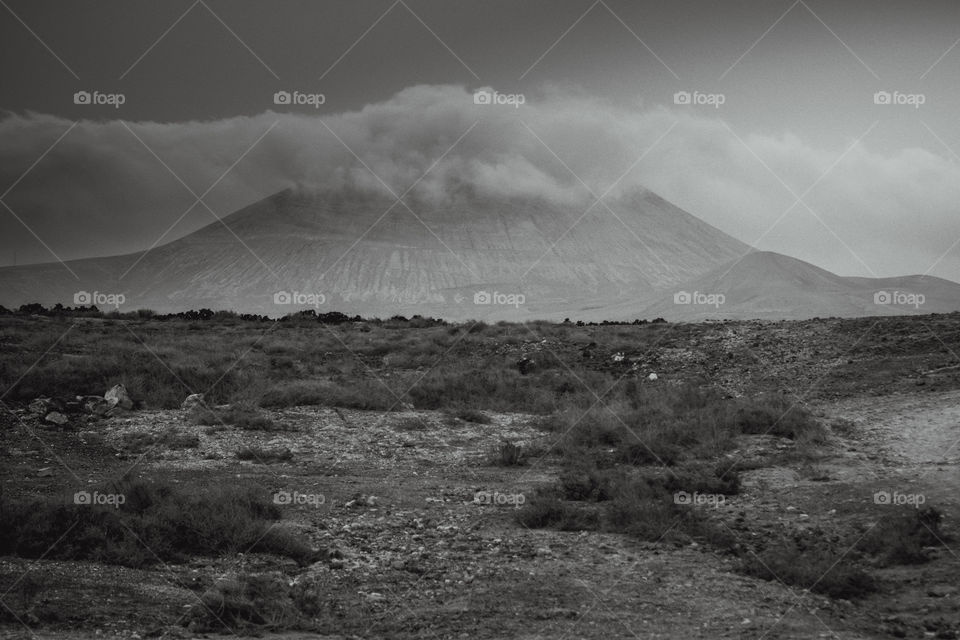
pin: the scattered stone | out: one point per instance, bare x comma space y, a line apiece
57, 418
97, 405
192, 401
46, 472
941, 591
119, 397
43, 406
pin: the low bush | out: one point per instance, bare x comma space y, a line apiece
156, 521
361, 394
508, 454
901, 539
818, 569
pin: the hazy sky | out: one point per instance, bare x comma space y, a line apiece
797, 81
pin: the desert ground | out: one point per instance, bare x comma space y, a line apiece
417, 479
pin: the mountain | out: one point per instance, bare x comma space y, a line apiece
473, 257
770, 285
363, 254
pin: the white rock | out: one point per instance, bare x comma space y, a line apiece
118, 397
192, 401
55, 417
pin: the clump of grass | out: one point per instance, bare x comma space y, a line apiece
668, 425
411, 424
361, 394
243, 417
264, 455
508, 454
819, 569
622, 500
472, 415
261, 601
547, 510
155, 522
171, 438
902, 538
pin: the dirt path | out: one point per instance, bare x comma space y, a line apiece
910, 440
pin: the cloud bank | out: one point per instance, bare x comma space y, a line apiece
109, 187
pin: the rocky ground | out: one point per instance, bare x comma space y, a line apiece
423, 528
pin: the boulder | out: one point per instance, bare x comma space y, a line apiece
192, 401
57, 418
652, 376
117, 396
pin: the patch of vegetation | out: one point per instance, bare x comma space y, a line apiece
508, 454
472, 415
819, 569
153, 522
171, 438
901, 539
264, 455
413, 423
264, 601
243, 417
361, 394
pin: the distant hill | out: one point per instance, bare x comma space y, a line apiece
770, 285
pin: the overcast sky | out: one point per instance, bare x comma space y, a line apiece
878, 184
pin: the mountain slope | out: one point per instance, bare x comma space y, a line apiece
368, 255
